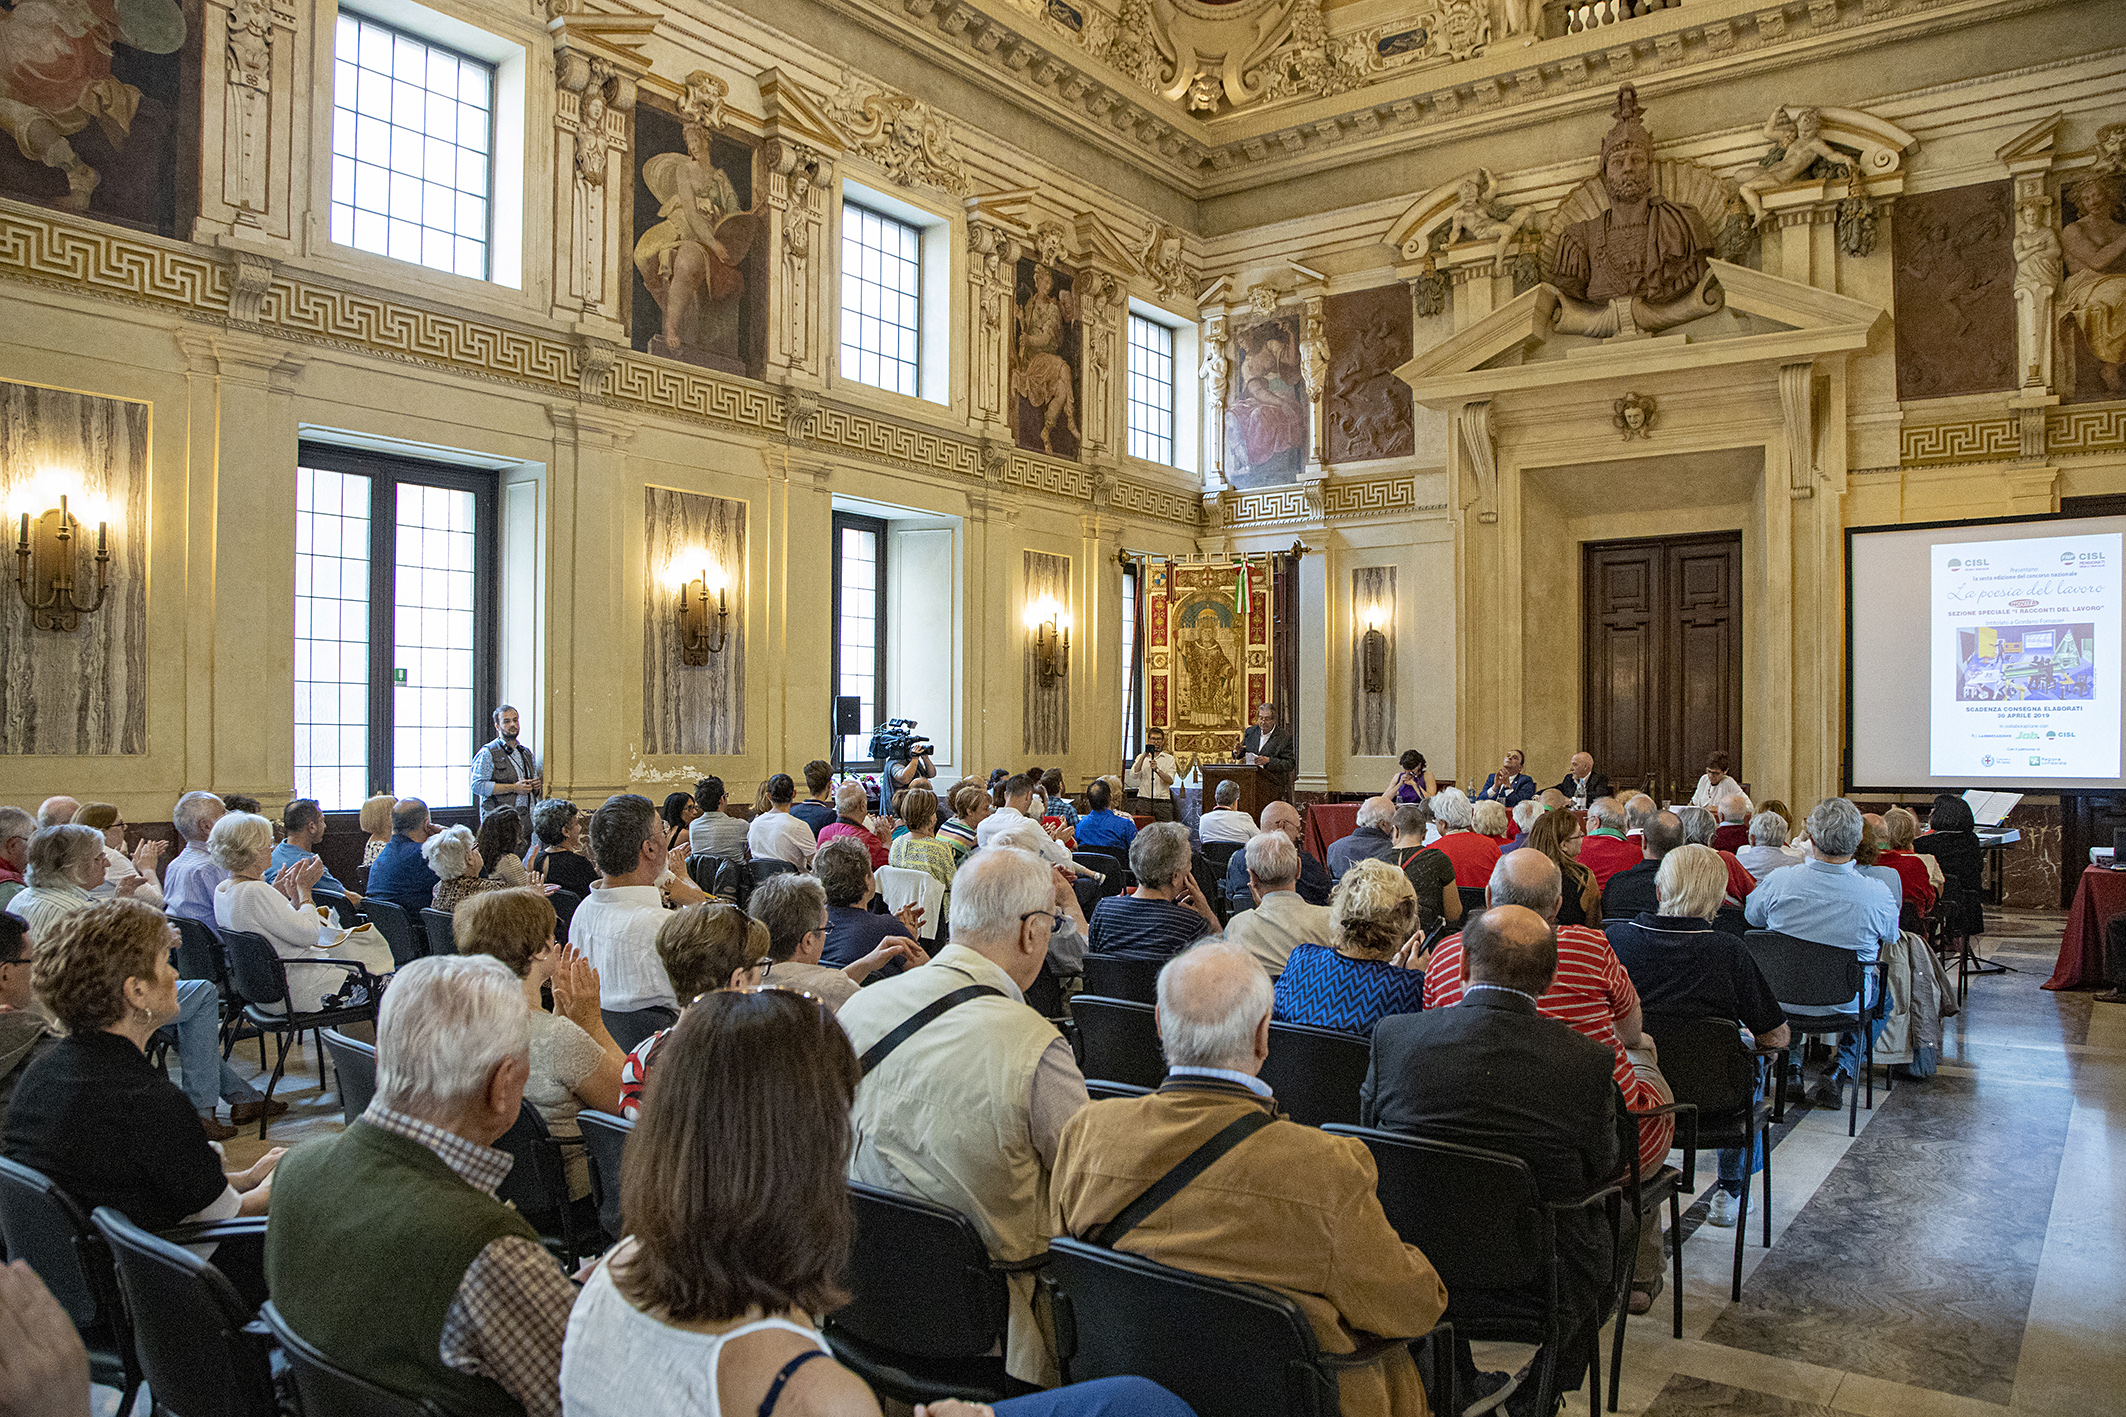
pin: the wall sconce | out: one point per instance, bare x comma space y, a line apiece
1375, 652
47, 561
1050, 625
703, 597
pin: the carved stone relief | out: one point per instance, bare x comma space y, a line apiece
1368, 410
798, 177
1954, 270
1159, 258
911, 141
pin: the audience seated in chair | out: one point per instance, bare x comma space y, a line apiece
1168, 912
1558, 836
401, 873
303, 828
919, 848
91, 1112
1315, 883
66, 866
853, 931
793, 909
1699, 824
189, 880
1015, 813
778, 831
1370, 965
1590, 993
969, 802
616, 926
1631, 891
1525, 815
574, 1061
1370, 839
25, 1034
125, 875
1828, 900
1952, 839
817, 811
1606, 851
1280, 920
1768, 850
1226, 822
454, 857
1682, 966
374, 818
500, 844
558, 829
1472, 853
702, 949
967, 1110
1900, 828
284, 915
16, 829
1289, 1207
386, 1248
1733, 833
1492, 1072
715, 832
1430, 872
850, 804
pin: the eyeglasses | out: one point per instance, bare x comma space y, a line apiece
1055, 918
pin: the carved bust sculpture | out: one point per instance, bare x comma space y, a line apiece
1640, 266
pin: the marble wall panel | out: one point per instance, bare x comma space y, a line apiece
1045, 726
687, 709
1372, 714
82, 692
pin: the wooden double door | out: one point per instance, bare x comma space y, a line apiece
1661, 675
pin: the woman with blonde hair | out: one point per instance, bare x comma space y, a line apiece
375, 818
300, 931
704, 949
1366, 970
1558, 835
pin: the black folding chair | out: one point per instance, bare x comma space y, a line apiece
564, 903
355, 1062
1118, 1040
1098, 1088
1492, 1238
1316, 1072
1644, 1195
1113, 874
1709, 1066
342, 908
537, 1184
199, 956
766, 866
41, 1224
733, 880
325, 1389
1210, 879
1223, 1347
605, 1138
1220, 853
436, 929
1136, 980
260, 979
1803, 974
1475, 901
201, 1351
407, 944
929, 1307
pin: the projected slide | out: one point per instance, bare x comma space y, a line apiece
2025, 659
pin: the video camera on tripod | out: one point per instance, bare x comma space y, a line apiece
896, 741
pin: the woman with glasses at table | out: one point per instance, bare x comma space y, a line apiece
574, 1061
739, 1229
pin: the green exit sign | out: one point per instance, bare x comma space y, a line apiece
398, 676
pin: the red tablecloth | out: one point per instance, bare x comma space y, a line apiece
1328, 822
2100, 896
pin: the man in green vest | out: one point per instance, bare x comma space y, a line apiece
386, 1247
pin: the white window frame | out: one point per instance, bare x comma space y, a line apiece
935, 357
506, 255
1188, 390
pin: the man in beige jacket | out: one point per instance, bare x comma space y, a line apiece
1290, 1207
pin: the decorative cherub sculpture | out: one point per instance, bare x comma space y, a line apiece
1797, 142
1481, 216
1633, 416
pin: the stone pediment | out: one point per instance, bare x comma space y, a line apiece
1775, 321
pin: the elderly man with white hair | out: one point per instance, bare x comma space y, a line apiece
1372, 840
1281, 920
189, 880
282, 912
1280, 1204
850, 805
1607, 849
1828, 900
1681, 965
1768, 850
1226, 822
1315, 882
386, 1248
1733, 833
967, 1109
56, 811
1472, 852
1168, 911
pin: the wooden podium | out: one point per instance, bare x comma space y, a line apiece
1259, 787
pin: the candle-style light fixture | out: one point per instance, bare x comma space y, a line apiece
48, 552
1375, 651
704, 607
1050, 626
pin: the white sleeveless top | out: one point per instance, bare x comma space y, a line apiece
619, 1362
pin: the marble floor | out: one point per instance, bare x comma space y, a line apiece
1963, 1256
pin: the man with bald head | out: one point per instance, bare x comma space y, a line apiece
1493, 1072
1372, 841
1582, 783
1287, 1206
1315, 882
57, 812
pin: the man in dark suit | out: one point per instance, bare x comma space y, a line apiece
1315, 883
1629, 892
1268, 746
1582, 783
1494, 1073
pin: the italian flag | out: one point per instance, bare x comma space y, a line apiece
1243, 594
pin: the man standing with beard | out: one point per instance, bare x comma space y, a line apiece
503, 774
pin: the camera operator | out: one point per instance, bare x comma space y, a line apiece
907, 757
